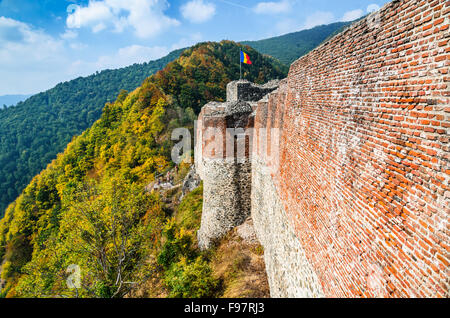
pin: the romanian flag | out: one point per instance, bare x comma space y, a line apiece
245, 58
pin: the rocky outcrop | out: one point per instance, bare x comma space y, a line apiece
190, 182
246, 231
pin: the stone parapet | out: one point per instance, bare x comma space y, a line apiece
244, 90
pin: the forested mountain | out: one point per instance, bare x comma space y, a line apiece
9, 100
88, 209
289, 47
34, 131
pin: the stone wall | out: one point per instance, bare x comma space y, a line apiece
288, 270
226, 202
349, 162
362, 170
246, 91
223, 161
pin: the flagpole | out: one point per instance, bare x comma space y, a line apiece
240, 68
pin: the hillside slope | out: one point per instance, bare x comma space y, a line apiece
88, 210
289, 47
34, 131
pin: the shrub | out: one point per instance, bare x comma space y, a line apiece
190, 209
191, 280
7, 270
178, 244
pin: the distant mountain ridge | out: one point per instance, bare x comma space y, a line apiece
289, 47
10, 100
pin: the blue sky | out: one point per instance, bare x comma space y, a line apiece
44, 42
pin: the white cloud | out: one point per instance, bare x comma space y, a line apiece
194, 38
123, 57
352, 15
78, 46
272, 7
98, 27
69, 35
92, 15
286, 26
140, 54
198, 11
146, 17
130, 55
372, 8
30, 59
318, 18
289, 25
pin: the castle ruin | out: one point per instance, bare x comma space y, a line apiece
223, 158
344, 165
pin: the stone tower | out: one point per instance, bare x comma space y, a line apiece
222, 152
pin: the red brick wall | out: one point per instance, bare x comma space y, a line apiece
364, 171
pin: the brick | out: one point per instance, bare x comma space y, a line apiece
362, 159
